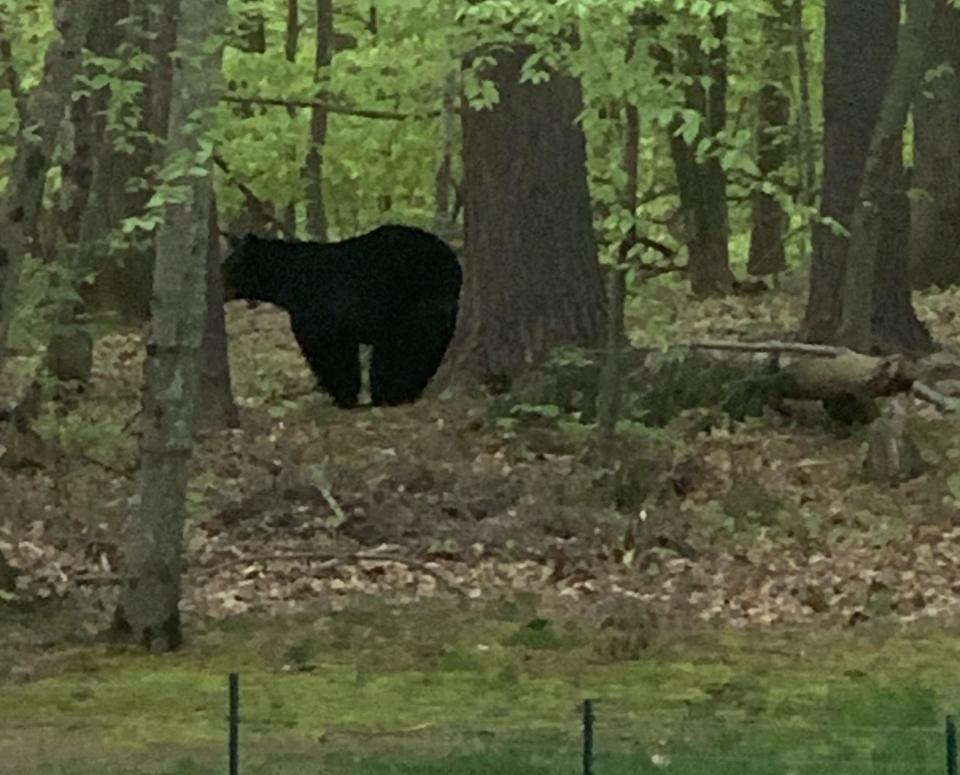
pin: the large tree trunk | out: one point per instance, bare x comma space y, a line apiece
148, 611
866, 300
860, 47
767, 253
533, 281
44, 108
935, 213
313, 171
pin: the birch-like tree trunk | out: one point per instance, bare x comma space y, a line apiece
148, 611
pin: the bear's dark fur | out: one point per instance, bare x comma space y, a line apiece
395, 288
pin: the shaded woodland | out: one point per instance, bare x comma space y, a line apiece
708, 311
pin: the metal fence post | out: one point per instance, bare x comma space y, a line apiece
234, 743
588, 719
951, 746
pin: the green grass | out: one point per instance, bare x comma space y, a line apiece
450, 688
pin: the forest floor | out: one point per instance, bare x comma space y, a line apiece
443, 576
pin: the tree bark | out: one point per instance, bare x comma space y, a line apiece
124, 281
291, 48
148, 611
69, 354
935, 211
313, 171
702, 184
895, 327
610, 384
216, 408
767, 254
21, 201
444, 185
863, 298
533, 281
292, 41
161, 28
252, 28
860, 46
610, 387
806, 139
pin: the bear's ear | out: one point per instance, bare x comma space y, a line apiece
233, 241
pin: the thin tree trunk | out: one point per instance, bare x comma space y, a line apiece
9, 76
609, 390
807, 154
21, 201
69, 355
861, 295
533, 281
702, 185
253, 27
313, 172
767, 254
162, 30
124, 274
292, 42
148, 611
710, 273
216, 408
935, 213
291, 48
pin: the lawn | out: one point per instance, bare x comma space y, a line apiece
443, 687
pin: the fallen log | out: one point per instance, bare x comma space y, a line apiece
741, 378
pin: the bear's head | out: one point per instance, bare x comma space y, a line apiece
240, 268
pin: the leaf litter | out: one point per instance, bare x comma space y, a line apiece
304, 507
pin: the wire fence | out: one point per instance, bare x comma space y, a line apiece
269, 726
594, 726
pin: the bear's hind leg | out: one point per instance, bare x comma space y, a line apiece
404, 362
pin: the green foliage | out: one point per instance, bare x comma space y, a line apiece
383, 169
376, 170
28, 26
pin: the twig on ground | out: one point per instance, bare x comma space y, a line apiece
926, 393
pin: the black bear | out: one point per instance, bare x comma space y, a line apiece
396, 288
